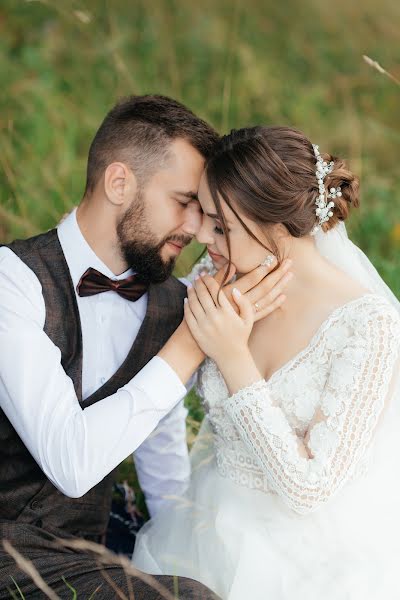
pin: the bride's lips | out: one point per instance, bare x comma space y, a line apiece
214, 255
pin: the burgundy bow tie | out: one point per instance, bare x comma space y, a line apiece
93, 282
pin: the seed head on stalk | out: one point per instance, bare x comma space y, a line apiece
375, 65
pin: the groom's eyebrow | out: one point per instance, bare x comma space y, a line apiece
189, 195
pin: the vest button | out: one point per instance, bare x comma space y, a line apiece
35, 505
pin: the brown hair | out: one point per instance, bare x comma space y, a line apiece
139, 130
269, 175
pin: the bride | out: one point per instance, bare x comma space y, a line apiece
295, 489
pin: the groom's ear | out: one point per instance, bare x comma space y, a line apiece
120, 184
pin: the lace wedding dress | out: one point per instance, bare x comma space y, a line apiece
259, 520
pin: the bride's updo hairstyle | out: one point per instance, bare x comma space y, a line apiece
269, 175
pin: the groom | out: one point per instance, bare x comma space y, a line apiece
84, 310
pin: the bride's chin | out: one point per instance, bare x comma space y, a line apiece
219, 263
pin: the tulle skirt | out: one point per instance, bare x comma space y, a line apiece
246, 544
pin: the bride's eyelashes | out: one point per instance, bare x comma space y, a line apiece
218, 229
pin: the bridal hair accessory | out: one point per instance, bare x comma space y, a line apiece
324, 207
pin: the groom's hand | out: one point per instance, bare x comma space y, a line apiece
263, 287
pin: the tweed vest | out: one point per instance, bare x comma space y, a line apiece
27, 496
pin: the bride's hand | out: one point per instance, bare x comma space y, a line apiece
217, 328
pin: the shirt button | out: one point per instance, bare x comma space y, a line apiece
102, 380
35, 504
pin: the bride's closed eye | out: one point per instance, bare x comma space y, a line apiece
218, 229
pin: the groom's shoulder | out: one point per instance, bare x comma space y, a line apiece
25, 247
174, 286
17, 279
26, 261
168, 297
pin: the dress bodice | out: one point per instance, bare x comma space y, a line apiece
333, 391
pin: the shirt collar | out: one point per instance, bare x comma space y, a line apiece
78, 254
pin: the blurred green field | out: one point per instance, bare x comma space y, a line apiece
63, 64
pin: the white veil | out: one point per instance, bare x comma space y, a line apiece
336, 247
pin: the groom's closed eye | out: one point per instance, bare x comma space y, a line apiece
185, 198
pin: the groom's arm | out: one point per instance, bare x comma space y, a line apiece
75, 448
162, 460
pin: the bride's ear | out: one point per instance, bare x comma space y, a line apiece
276, 237
278, 232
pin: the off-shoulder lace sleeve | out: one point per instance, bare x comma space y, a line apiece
360, 373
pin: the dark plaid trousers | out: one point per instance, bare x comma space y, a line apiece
80, 569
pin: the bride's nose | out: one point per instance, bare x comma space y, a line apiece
205, 234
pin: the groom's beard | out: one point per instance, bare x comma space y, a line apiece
140, 247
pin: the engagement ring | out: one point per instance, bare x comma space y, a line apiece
268, 261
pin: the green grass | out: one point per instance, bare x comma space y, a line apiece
63, 64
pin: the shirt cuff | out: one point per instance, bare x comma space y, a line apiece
159, 383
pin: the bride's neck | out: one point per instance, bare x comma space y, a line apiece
314, 276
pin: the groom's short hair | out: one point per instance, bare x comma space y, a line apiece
138, 131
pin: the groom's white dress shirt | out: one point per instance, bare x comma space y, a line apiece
77, 448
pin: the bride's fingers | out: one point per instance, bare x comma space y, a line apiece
217, 293
271, 286
190, 318
213, 288
204, 296
261, 313
226, 304
262, 302
246, 311
220, 275
194, 303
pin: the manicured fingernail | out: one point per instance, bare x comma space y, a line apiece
189, 285
203, 274
236, 292
197, 277
185, 300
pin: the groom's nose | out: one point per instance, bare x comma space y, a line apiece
193, 215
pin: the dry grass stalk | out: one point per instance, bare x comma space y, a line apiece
27, 566
119, 593
106, 557
375, 65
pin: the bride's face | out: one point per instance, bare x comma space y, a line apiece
246, 253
